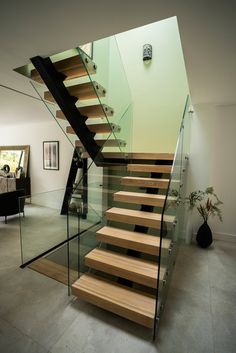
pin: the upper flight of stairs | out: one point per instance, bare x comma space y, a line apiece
73, 68
138, 262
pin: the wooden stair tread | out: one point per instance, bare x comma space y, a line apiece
140, 198
152, 156
104, 142
88, 90
149, 168
134, 269
97, 128
146, 219
72, 67
145, 182
91, 111
143, 156
142, 242
123, 301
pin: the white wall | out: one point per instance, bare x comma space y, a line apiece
212, 161
34, 124
159, 89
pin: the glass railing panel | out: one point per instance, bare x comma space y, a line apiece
172, 217
54, 264
184, 219
42, 227
83, 221
96, 187
187, 121
111, 74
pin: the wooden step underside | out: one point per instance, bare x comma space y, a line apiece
145, 182
142, 218
134, 269
140, 198
81, 91
149, 168
72, 67
152, 156
141, 242
105, 143
91, 111
97, 128
118, 299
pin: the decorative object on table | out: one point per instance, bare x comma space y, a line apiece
19, 172
207, 204
147, 52
51, 155
6, 168
17, 157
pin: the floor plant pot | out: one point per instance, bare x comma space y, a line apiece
204, 236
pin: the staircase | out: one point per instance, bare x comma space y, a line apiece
125, 274
105, 284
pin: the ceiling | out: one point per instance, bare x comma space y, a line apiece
207, 29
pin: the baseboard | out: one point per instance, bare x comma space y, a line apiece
225, 237
219, 236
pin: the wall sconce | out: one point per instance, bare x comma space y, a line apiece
147, 52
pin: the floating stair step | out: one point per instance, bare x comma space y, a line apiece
140, 198
152, 156
142, 218
142, 242
105, 143
145, 182
97, 128
72, 67
149, 168
118, 299
81, 91
91, 111
134, 269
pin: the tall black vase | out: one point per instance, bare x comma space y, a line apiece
204, 236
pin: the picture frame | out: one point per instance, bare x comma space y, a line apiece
51, 155
88, 49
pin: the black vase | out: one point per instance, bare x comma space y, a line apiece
204, 236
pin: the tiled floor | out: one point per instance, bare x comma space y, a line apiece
37, 316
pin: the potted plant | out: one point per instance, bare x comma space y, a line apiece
207, 204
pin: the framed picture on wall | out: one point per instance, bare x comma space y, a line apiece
51, 155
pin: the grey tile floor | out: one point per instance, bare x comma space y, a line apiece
37, 316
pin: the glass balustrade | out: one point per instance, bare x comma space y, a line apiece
43, 227
173, 211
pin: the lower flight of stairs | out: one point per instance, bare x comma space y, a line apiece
137, 264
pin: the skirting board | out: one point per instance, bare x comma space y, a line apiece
188, 238
221, 236
224, 237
